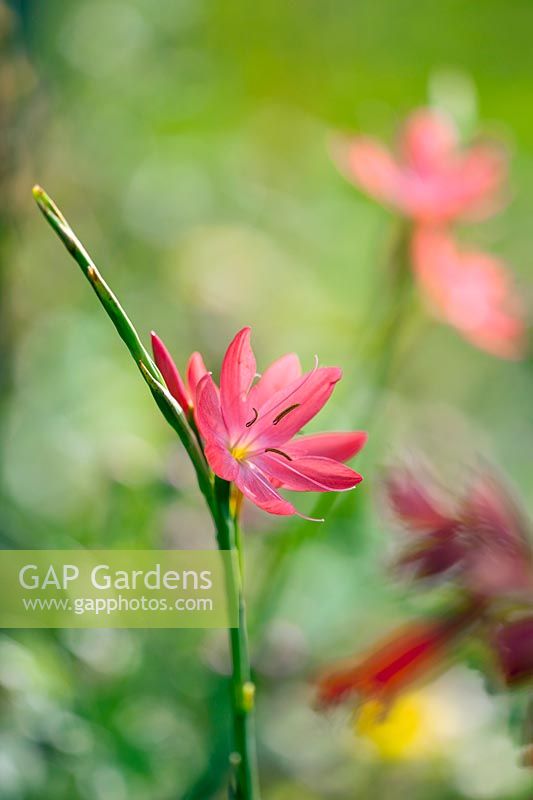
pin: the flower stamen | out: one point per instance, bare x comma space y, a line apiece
279, 452
284, 413
251, 422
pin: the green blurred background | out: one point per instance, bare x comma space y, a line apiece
186, 141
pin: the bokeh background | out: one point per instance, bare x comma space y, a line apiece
186, 140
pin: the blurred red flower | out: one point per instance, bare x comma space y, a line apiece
480, 540
408, 654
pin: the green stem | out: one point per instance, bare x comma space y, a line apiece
173, 414
381, 352
244, 757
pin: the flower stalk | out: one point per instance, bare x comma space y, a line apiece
244, 757
381, 353
215, 491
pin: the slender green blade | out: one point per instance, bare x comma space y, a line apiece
108, 299
170, 409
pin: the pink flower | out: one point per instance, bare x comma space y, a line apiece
414, 497
431, 179
471, 291
431, 519
483, 542
183, 392
498, 552
248, 429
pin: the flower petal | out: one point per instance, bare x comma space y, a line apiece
479, 178
500, 558
278, 375
471, 291
237, 374
221, 461
428, 140
209, 413
256, 487
308, 474
434, 555
415, 498
395, 663
340, 446
467, 187
292, 407
514, 645
170, 373
196, 370
213, 430
370, 165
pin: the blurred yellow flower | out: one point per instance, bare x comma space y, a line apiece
400, 730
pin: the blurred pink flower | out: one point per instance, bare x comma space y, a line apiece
248, 429
471, 291
499, 558
431, 518
483, 542
431, 179
414, 497
183, 392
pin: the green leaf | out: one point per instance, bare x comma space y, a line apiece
170, 409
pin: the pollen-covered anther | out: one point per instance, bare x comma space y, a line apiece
279, 452
254, 418
284, 413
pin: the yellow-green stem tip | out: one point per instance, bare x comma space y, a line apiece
38, 192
